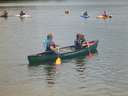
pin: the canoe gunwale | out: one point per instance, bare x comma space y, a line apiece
39, 58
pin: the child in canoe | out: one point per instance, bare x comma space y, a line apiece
80, 40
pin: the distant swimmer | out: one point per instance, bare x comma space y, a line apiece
5, 14
104, 14
22, 13
85, 13
66, 11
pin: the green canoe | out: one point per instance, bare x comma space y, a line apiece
64, 53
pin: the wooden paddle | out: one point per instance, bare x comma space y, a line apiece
89, 52
58, 60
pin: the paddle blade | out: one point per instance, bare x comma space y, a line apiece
58, 61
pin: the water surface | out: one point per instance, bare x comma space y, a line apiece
102, 74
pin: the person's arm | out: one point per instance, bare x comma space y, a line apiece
52, 48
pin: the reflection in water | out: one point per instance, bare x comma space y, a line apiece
51, 71
81, 63
51, 74
91, 55
5, 18
21, 18
46, 72
81, 66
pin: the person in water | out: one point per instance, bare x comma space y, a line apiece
66, 11
104, 14
85, 13
5, 13
80, 39
22, 13
50, 44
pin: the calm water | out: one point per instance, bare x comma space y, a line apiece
102, 74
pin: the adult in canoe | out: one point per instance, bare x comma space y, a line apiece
85, 13
50, 44
80, 39
104, 16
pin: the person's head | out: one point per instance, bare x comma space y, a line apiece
21, 11
5, 11
82, 36
77, 35
50, 36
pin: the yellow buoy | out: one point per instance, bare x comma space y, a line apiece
58, 61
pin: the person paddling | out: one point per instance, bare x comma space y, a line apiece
104, 14
50, 44
80, 40
22, 13
85, 13
5, 13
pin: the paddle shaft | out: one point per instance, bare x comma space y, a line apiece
87, 45
58, 60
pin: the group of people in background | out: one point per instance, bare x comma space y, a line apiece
103, 14
5, 13
51, 45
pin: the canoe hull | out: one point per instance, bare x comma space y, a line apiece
43, 58
104, 17
84, 16
24, 16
